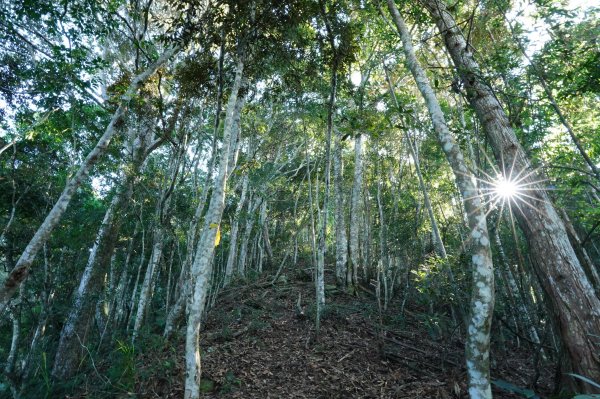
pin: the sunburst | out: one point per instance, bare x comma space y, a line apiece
505, 189
509, 188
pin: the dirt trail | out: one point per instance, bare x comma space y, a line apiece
255, 345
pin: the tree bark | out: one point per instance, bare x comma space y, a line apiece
9, 366
232, 256
572, 297
313, 242
355, 212
201, 270
264, 228
383, 249
341, 240
158, 241
482, 298
438, 244
253, 205
68, 350
67, 355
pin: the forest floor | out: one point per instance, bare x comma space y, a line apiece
256, 345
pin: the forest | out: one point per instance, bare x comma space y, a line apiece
299, 199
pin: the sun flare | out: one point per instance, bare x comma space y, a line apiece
505, 188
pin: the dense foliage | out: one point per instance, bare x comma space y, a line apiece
320, 79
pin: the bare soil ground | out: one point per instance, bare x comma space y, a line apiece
256, 345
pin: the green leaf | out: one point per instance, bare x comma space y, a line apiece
585, 379
507, 386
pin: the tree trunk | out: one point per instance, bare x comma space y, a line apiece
253, 205
572, 297
136, 282
232, 256
355, 212
21, 270
367, 237
145, 296
341, 240
438, 244
383, 250
482, 298
320, 270
9, 366
322, 246
313, 241
520, 302
264, 228
71, 335
201, 268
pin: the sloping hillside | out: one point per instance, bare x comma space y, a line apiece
257, 344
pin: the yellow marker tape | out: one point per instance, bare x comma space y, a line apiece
218, 237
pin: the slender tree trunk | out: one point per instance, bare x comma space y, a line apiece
253, 205
383, 250
145, 296
355, 212
341, 240
482, 298
297, 227
520, 303
21, 270
313, 242
367, 238
137, 280
232, 256
264, 228
67, 353
260, 254
201, 270
162, 219
9, 366
243, 253
168, 289
438, 244
320, 270
571, 295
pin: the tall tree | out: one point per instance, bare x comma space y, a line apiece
21, 270
482, 298
201, 270
569, 291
